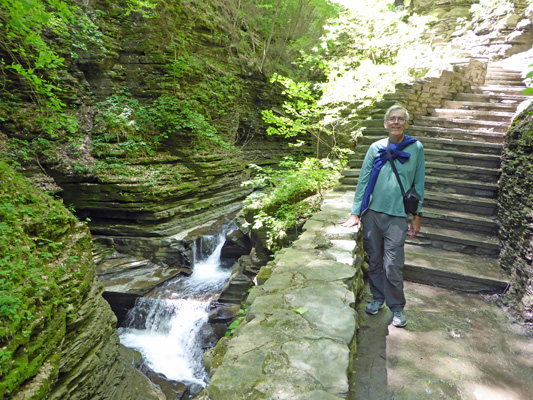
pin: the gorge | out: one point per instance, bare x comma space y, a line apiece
109, 196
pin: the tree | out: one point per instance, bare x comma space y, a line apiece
269, 40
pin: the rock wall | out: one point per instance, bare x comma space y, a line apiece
138, 203
63, 343
425, 95
516, 214
491, 30
300, 327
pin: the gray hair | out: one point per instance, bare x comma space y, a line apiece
397, 107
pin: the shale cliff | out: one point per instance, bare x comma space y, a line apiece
168, 110
516, 214
179, 75
58, 335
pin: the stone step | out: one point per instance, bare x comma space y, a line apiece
463, 158
479, 174
441, 170
489, 113
504, 81
509, 76
497, 68
375, 122
512, 77
459, 241
460, 123
459, 202
453, 270
460, 221
447, 144
498, 89
448, 201
449, 186
462, 187
480, 105
456, 133
501, 72
496, 98
502, 116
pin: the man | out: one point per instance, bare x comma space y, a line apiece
378, 205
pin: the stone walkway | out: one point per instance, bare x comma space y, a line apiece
298, 337
298, 340
455, 346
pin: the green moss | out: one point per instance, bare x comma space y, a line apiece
44, 271
264, 273
218, 353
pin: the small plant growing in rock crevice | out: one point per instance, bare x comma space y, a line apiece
288, 197
237, 321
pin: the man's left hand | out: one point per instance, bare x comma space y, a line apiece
415, 226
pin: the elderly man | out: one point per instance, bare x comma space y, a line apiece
378, 205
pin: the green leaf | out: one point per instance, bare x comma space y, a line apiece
235, 323
529, 90
301, 310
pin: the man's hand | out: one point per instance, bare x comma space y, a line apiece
353, 220
415, 226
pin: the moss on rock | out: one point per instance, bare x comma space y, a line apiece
516, 214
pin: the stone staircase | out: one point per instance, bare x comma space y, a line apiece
457, 247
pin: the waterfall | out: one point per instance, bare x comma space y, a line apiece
169, 328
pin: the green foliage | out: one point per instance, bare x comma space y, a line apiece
170, 115
296, 26
145, 7
299, 109
529, 75
185, 66
33, 60
291, 194
302, 115
118, 116
367, 51
237, 321
121, 117
233, 326
301, 310
33, 289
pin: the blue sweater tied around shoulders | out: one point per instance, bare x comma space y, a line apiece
379, 162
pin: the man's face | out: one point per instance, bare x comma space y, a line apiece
396, 124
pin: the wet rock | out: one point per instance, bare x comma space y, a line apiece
236, 290
237, 244
171, 389
120, 303
223, 312
122, 273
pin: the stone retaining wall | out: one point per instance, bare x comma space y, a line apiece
425, 95
298, 337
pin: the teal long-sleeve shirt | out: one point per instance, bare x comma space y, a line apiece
387, 196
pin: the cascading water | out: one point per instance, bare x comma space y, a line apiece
169, 328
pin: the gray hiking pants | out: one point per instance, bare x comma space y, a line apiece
383, 241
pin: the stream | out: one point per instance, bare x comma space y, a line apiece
169, 326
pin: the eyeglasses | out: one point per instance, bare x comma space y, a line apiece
396, 119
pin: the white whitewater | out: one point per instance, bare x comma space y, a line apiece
166, 328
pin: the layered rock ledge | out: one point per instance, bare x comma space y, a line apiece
299, 332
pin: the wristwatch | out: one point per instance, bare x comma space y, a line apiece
419, 214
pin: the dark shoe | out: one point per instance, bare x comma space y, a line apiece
373, 307
399, 319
